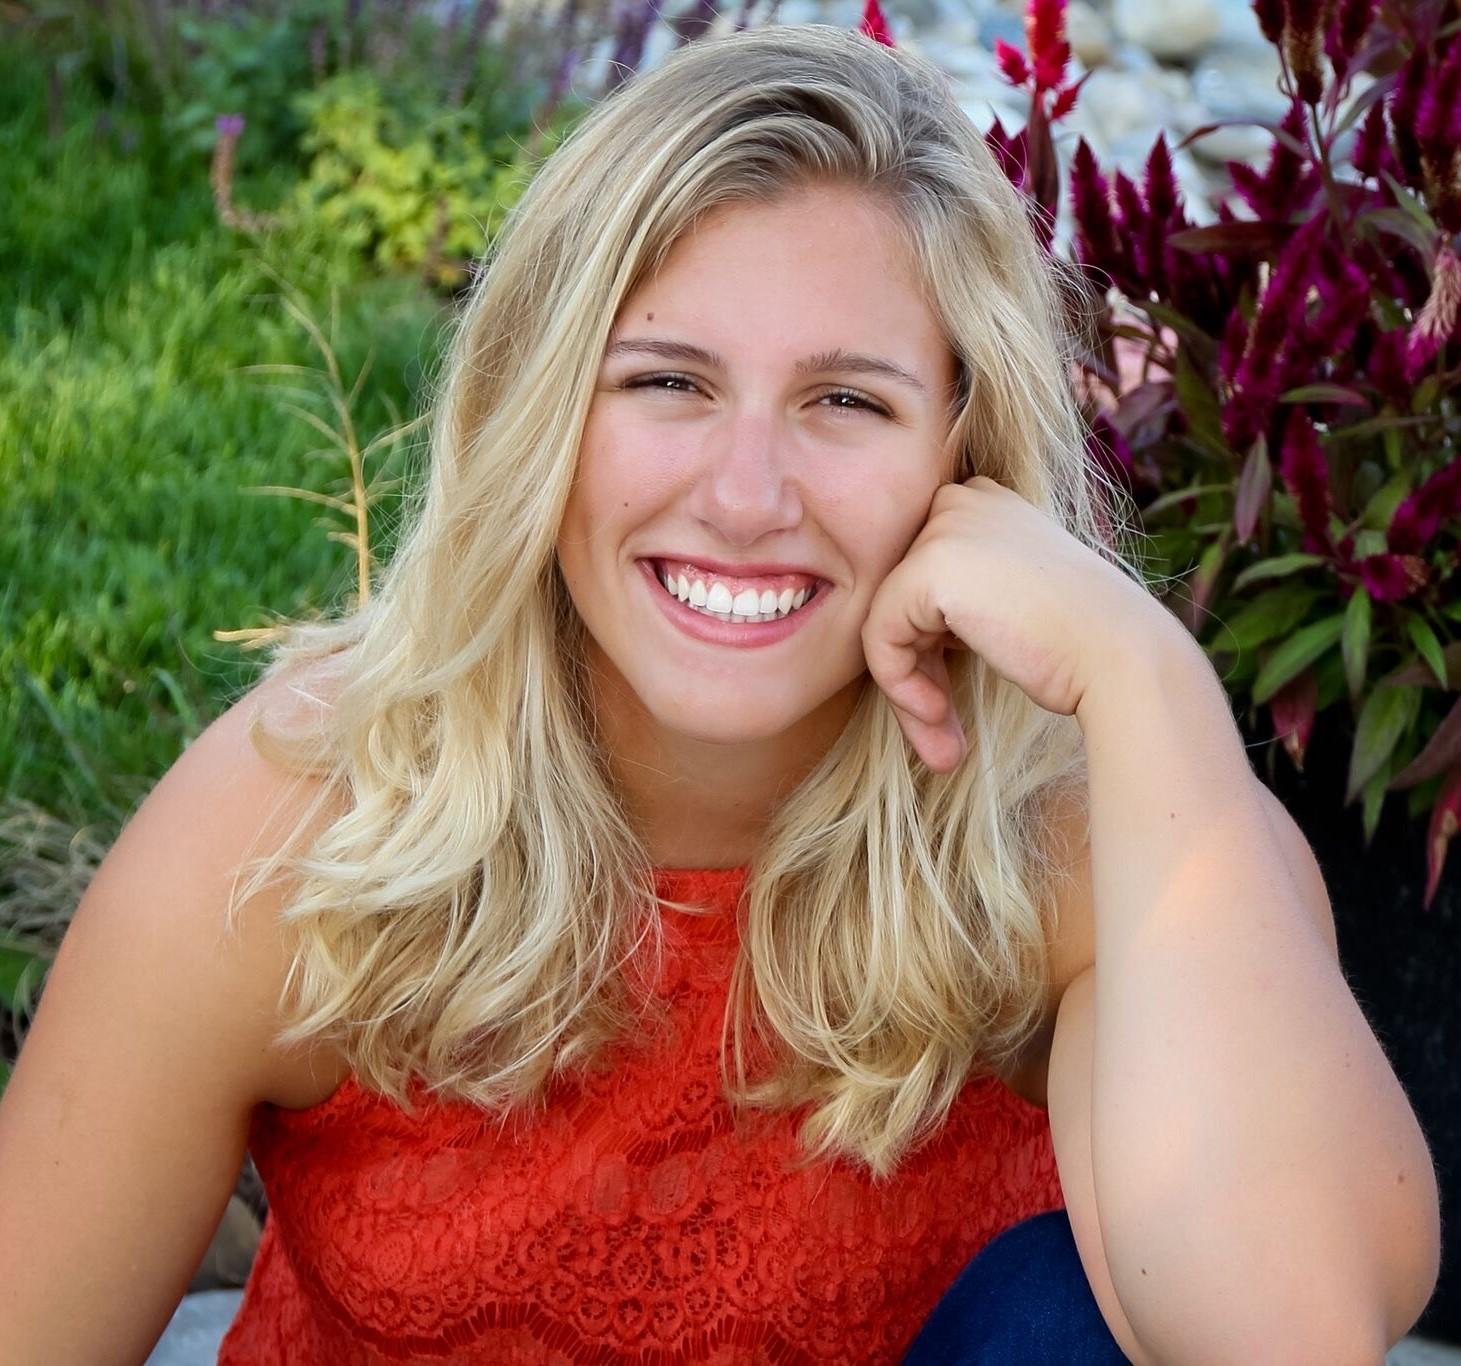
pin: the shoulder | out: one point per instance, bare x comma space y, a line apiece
243, 806
1072, 942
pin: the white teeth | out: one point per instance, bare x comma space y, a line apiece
746, 607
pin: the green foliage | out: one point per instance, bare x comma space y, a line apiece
128, 432
403, 183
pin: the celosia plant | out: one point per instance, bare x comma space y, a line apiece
1289, 431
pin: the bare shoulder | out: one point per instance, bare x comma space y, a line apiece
246, 807
1072, 948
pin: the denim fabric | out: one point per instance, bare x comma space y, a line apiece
1023, 1300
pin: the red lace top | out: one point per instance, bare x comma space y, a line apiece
634, 1224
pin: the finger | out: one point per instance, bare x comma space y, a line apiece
942, 747
895, 646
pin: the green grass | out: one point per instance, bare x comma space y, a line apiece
128, 434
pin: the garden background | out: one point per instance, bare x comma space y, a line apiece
232, 232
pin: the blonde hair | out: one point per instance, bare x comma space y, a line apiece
467, 915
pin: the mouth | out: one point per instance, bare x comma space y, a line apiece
708, 626
772, 603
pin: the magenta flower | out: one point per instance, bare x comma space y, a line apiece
1389, 578
1305, 473
1422, 513
875, 24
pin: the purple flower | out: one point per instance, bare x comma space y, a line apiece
1097, 239
1389, 578
1420, 516
1371, 153
1305, 473
229, 125
1270, 18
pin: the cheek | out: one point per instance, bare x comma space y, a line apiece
877, 518
622, 476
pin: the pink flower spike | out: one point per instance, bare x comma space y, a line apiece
875, 25
1421, 514
1045, 32
1065, 100
1305, 473
1270, 18
1390, 578
1011, 63
1445, 821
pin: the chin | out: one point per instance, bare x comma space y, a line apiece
717, 721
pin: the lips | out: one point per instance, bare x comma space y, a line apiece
713, 630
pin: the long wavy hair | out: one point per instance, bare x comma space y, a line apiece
467, 913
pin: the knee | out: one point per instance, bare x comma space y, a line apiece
1024, 1300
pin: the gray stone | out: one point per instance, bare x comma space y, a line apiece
1114, 104
231, 1253
1089, 34
1234, 142
196, 1330
1414, 1351
1237, 83
1175, 30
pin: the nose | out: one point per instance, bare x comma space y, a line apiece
748, 489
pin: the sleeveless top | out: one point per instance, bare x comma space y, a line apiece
631, 1220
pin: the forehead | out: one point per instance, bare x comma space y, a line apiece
829, 224
818, 270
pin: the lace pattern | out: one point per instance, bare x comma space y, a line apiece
633, 1220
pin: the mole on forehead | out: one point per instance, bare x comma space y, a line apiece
847, 361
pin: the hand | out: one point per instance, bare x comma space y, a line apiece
990, 572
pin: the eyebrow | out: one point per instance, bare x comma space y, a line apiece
848, 362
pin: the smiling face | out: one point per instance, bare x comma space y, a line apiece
771, 408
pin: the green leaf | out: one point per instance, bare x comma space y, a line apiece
1295, 655
1424, 640
1325, 393
1356, 644
1368, 542
1380, 509
1383, 720
1276, 568
1412, 206
1423, 398
1177, 496
1273, 613
20, 974
1375, 802
1197, 401
1397, 223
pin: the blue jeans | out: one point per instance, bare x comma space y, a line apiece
1023, 1300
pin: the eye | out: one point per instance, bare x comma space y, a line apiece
657, 381
861, 400
856, 402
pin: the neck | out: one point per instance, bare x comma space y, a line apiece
704, 803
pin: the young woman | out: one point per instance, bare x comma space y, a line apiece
656, 919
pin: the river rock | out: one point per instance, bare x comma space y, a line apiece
1175, 30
